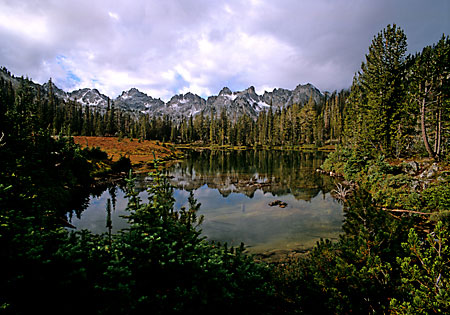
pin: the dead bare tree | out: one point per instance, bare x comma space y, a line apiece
341, 192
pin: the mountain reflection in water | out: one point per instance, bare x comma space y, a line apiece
277, 172
235, 189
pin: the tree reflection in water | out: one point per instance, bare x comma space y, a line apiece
235, 189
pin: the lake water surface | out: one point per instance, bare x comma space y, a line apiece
235, 189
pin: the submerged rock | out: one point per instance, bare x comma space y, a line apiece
279, 203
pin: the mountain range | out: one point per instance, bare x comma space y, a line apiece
235, 103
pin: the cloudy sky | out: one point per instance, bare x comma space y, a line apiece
166, 47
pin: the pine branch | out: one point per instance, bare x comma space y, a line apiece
1, 139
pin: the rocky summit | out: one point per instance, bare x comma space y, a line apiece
246, 102
234, 103
137, 100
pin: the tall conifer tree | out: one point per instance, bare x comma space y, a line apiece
382, 80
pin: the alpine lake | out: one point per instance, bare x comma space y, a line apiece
272, 201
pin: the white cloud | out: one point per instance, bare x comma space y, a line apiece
228, 9
264, 88
27, 25
196, 89
168, 47
114, 16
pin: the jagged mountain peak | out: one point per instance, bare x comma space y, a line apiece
249, 93
80, 90
134, 90
251, 90
279, 90
183, 98
55, 90
133, 99
237, 103
306, 87
183, 105
190, 95
302, 93
225, 91
90, 97
234, 103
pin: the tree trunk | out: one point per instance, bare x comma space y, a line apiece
438, 131
424, 130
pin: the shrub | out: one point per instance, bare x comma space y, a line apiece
95, 153
160, 265
425, 274
123, 164
354, 164
335, 161
165, 266
354, 275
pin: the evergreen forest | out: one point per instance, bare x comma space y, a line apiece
391, 136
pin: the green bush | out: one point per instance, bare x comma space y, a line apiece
335, 161
173, 269
353, 166
425, 274
123, 164
437, 197
160, 264
95, 153
358, 273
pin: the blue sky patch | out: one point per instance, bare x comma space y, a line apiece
179, 84
72, 77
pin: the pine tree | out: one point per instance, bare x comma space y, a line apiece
223, 123
212, 129
270, 127
382, 80
429, 90
98, 124
353, 117
295, 125
308, 119
199, 126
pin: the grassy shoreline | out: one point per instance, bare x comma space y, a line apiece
304, 147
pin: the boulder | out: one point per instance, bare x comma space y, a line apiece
410, 168
430, 172
279, 203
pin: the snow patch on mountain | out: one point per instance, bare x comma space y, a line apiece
235, 104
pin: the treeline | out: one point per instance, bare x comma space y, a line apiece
400, 105
312, 122
59, 116
294, 125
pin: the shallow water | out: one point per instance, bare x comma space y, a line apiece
235, 189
